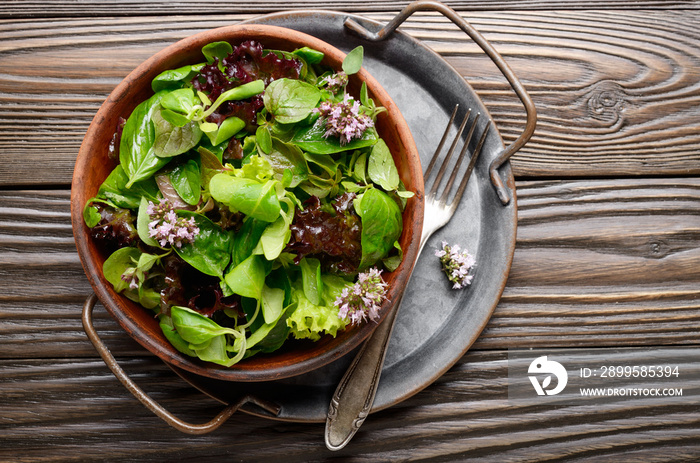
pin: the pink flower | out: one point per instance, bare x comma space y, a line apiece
131, 276
169, 229
456, 265
363, 299
335, 82
344, 119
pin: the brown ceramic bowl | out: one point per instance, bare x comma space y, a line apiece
93, 165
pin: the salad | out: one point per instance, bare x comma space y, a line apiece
252, 202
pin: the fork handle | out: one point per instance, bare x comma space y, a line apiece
358, 386
518, 88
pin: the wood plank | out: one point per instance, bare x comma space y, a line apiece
608, 259
608, 262
61, 8
628, 109
464, 416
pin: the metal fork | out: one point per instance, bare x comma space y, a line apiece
354, 396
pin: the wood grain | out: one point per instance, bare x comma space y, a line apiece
602, 258
616, 95
464, 416
597, 262
62, 8
607, 251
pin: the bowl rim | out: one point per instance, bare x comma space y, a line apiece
118, 306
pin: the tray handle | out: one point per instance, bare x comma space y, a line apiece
151, 404
449, 13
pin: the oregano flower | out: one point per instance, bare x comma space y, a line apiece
344, 119
335, 82
134, 277
362, 300
167, 227
456, 264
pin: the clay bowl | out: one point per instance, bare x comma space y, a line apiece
93, 165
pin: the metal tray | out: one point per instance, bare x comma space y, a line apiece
436, 325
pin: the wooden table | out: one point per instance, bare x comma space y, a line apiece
607, 251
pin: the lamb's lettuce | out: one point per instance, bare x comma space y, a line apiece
381, 225
251, 197
247, 278
290, 101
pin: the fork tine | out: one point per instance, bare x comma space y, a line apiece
451, 151
460, 159
472, 162
442, 142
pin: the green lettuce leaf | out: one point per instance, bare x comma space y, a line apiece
311, 321
251, 197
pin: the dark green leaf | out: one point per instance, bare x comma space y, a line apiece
211, 165
136, 153
172, 140
274, 334
195, 328
166, 324
247, 278
228, 128
381, 225
115, 190
142, 221
251, 308
381, 168
210, 253
290, 101
187, 181
278, 278
216, 50
311, 279
246, 239
325, 162
175, 78
117, 263
309, 55
264, 139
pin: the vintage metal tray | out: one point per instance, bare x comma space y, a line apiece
436, 325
